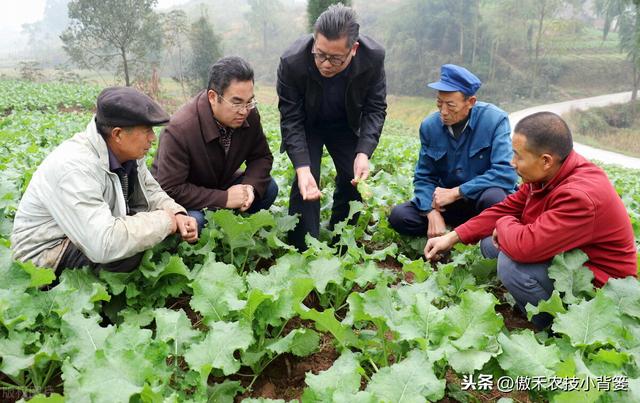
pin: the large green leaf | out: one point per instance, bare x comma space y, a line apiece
570, 276
168, 265
474, 321
379, 303
411, 380
324, 271
84, 336
12, 352
174, 326
468, 361
342, 377
108, 379
625, 293
591, 322
78, 291
326, 321
552, 306
427, 289
39, 275
366, 273
418, 321
128, 360
255, 297
225, 392
218, 348
52, 398
216, 291
522, 355
300, 342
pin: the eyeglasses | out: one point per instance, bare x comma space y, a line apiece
333, 59
240, 107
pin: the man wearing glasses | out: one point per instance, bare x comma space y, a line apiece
201, 150
332, 91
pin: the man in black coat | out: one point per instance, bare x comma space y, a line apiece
332, 91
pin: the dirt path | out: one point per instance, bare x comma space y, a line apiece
560, 108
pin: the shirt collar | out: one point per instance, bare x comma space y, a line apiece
114, 165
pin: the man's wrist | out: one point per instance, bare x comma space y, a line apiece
459, 194
454, 238
303, 168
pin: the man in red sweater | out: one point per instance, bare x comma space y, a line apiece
566, 202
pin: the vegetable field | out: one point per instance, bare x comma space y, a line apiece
242, 316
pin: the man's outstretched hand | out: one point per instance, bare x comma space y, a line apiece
438, 245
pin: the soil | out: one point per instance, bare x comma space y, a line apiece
73, 109
284, 377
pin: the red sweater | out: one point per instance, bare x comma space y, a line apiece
578, 208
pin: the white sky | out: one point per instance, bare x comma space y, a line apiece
14, 13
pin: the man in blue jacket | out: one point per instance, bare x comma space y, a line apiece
464, 163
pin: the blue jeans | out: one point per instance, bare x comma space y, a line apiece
526, 282
263, 203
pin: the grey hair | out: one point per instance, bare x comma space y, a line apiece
227, 69
336, 22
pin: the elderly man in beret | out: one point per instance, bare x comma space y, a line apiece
92, 202
464, 162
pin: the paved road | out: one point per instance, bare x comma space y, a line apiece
560, 108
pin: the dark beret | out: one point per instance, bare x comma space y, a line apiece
126, 106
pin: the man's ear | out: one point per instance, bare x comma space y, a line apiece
354, 48
211, 94
548, 161
473, 99
116, 134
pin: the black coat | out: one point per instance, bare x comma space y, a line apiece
300, 96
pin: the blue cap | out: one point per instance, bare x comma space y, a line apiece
456, 78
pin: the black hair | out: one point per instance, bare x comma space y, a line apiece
227, 69
336, 22
546, 132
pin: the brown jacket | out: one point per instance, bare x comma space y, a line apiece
190, 164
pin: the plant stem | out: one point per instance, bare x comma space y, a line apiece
373, 364
252, 381
50, 371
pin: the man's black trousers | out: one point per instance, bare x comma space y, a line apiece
341, 146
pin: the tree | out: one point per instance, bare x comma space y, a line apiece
627, 15
44, 40
176, 30
205, 48
101, 32
262, 18
316, 7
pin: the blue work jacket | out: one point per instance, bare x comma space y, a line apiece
477, 160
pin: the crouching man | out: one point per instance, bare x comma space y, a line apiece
92, 202
566, 202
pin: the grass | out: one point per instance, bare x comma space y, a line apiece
614, 128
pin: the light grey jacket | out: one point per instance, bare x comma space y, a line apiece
73, 195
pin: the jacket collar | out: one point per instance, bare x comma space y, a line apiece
565, 171
209, 127
473, 117
97, 143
